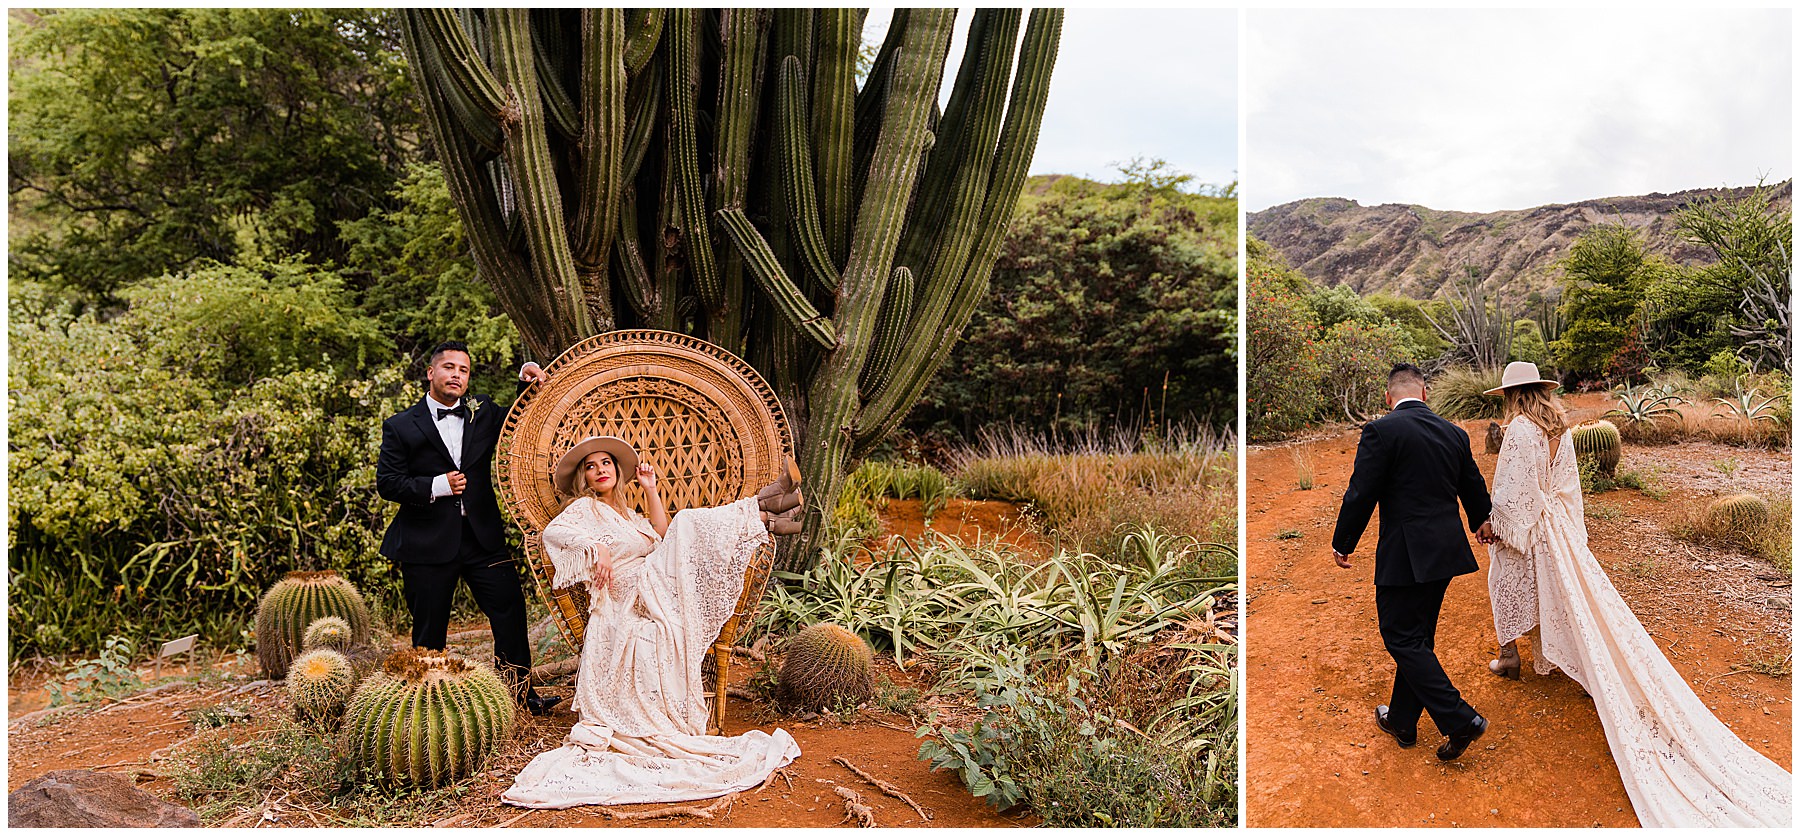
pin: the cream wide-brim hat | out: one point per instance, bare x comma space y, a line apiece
1520, 373
566, 477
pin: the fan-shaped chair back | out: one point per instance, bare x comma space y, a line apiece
703, 417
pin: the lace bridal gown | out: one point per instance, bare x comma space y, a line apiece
1681, 766
642, 730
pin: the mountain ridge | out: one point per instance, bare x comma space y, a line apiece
1412, 250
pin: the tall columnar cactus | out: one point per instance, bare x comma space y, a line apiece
826, 666
1597, 442
319, 684
719, 172
426, 718
293, 604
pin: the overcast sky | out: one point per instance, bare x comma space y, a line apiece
1509, 109
1132, 82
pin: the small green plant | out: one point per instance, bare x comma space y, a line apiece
1644, 405
1601, 511
214, 716
1303, 467
825, 667
1290, 534
1775, 662
217, 774
1460, 394
1749, 406
897, 699
106, 676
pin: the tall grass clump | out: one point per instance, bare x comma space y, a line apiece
1091, 488
1459, 394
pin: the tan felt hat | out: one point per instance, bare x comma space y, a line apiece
1520, 373
566, 477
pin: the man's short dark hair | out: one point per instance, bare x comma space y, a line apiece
1406, 374
448, 345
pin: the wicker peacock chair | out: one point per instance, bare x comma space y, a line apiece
707, 420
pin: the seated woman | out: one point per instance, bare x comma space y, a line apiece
660, 589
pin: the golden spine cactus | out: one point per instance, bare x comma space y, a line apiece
1737, 514
328, 632
427, 718
319, 683
1597, 442
293, 604
826, 666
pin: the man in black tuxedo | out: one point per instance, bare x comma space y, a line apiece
437, 461
1415, 465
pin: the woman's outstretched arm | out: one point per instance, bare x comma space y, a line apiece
653, 504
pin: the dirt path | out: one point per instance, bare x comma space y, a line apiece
1315, 667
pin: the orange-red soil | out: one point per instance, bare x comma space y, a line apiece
1315, 668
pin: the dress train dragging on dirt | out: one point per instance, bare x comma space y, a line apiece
642, 731
1681, 766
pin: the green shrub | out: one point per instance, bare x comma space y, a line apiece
1457, 394
1281, 363
1354, 360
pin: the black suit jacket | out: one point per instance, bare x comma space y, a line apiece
412, 455
1414, 465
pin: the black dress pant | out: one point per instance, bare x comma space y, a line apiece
1408, 616
493, 579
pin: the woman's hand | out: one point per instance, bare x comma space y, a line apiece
603, 570
646, 476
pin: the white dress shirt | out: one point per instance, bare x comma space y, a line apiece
450, 429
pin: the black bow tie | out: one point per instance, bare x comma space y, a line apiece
460, 411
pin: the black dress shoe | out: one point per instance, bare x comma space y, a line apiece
1453, 748
540, 706
1406, 741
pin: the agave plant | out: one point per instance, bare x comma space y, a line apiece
1749, 406
1644, 404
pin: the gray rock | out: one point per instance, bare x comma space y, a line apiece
82, 798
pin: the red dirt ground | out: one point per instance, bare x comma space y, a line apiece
1315, 668
133, 737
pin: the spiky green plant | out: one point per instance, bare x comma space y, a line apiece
1644, 405
319, 683
720, 173
826, 666
329, 632
1750, 406
1460, 394
293, 604
1598, 442
1743, 512
426, 718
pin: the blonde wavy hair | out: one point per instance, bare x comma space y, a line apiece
1539, 405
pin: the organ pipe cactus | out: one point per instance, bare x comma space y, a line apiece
1597, 442
293, 604
426, 718
720, 173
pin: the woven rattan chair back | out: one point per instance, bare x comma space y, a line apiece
703, 417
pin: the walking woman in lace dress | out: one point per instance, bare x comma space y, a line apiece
1680, 765
660, 588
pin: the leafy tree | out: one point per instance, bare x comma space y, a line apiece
1101, 294
1527, 342
148, 140
1281, 363
1740, 302
1339, 303
1605, 275
171, 462
1354, 358
1423, 340
412, 263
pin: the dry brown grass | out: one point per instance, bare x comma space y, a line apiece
1088, 491
1772, 541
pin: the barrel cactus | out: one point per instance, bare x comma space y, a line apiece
1597, 442
826, 666
293, 604
319, 683
427, 718
328, 632
1737, 514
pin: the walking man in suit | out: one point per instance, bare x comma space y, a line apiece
1415, 466
437, 461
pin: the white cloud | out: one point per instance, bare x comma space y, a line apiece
1502, 109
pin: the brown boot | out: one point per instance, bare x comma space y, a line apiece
782, 494
782, 525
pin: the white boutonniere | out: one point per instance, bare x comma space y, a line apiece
474, 407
